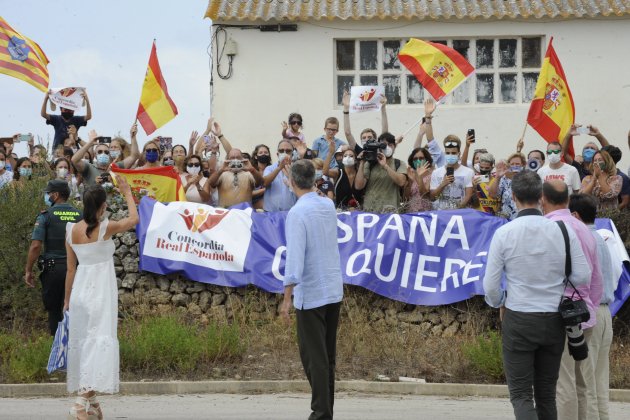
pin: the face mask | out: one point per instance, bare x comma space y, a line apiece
264, 159
588, 154
318, 174
169, 162
47, 200
114, 154
102, 159
194, 170
151, 155
484, 172
418, 163
282, 156
389, 151
516, 168
476, 167
348, 161
67, 114
26, 172
295, 155
62, 172
553, 158
602, 165
451, 159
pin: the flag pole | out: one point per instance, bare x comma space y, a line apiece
524, 129
420, 120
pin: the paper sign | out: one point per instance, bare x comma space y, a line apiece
365, 98
69, 98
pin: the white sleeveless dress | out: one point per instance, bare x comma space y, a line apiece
93, 357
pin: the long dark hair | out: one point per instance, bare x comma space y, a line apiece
93, 199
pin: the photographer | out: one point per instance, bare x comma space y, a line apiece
577, 377
533, 331
90, 172
451, 185
367, 134
556, 169
382, 176
235, 180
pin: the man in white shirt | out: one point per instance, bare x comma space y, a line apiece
556, 169
533, 331
451, 185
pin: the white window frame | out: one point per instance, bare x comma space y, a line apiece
471, 83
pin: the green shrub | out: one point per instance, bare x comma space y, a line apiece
223, 341
485, 355
27, 360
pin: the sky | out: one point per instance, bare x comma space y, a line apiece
104, 46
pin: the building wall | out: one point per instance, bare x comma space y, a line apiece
278, 73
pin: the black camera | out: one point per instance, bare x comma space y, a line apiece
573, 313
533, 165
371, 149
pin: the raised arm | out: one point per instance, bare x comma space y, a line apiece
131, 220
421, 132
594, 131
88, 112
334, 172
44, 113
565, 144
216, 130
134, 153
77, 158
347, 131
469, 141
384, 122
193, 142
493, 187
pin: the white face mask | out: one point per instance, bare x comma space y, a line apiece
2, 164
553, 158
62, 172
476, 167
282, 156
194, 170
318, 174
389, 151
348, 161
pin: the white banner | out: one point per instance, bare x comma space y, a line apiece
365, 98
69, 98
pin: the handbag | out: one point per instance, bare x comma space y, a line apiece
58, 359
573, 311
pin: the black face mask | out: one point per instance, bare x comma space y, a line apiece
484, 172
67, 114
264, 159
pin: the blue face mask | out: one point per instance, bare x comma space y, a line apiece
47, 200
26, 172
588, 154
152, 156
516, 168
102, 159
451, 159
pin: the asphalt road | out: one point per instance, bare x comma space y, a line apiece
349, 406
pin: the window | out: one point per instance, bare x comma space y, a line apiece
506, 70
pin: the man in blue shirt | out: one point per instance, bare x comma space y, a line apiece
311, 232
320, 145
278, 195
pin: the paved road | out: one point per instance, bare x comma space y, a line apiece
348, 406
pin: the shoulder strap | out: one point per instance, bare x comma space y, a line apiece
102, 229
567, 249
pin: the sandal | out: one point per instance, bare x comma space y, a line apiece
79, 410
94, 411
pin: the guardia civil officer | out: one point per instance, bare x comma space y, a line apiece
50, 231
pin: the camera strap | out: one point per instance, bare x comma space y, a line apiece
567, 260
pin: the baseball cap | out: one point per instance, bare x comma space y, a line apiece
57, 185
339, 150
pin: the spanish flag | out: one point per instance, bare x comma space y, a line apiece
156, 108
22, 58
552, 111
438, 68
161, 183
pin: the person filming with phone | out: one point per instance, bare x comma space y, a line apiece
451, 185
93, 173
236, 180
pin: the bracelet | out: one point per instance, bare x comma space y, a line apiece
346, 112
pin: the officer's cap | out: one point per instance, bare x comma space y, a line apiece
57, 185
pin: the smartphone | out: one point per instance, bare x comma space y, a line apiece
207, 140
484, 178
23, 137
450, 171
471, 132
102, 139
166, 143
106, 177
206, 174
582, 130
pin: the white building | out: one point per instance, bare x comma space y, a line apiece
303, 68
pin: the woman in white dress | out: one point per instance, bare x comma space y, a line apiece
92, 300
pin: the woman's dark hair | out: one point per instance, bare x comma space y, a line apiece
93, 199
182, 146
61, 159
191, 157
255, 153
425, 152
294, 115
16, 172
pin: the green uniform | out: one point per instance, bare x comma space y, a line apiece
50, 228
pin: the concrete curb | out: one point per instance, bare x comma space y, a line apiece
270, 387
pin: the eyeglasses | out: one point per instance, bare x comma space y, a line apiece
332, 130
549, 152
296, 122
196, 165
151, 150
451, 144
100, 152
285, 150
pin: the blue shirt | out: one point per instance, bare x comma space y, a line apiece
61, 126
278, 195
313, 263
437, 154
320, 145
605, 263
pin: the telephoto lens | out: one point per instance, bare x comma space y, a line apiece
578, 349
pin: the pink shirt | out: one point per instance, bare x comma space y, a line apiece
591, 293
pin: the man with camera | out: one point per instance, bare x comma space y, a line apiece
451, 185
558, 170
533, 329
50, 232
577, 396
382, 176
94, 173
235, 180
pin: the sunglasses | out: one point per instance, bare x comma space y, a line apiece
151, 150
196, 165
100, 152
296, 122
451, 144
549, 152
332, 130
285, 150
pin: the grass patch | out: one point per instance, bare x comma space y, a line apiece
485, 355
24, 359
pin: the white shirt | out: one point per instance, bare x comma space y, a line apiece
565, 173
530, 251
453, 194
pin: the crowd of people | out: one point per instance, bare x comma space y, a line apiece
362, 175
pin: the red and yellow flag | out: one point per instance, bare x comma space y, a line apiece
156, 108
162, 183
22, 58
438, 68
552, 111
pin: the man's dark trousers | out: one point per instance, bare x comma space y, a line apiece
53, 292
317, 338
532, 349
